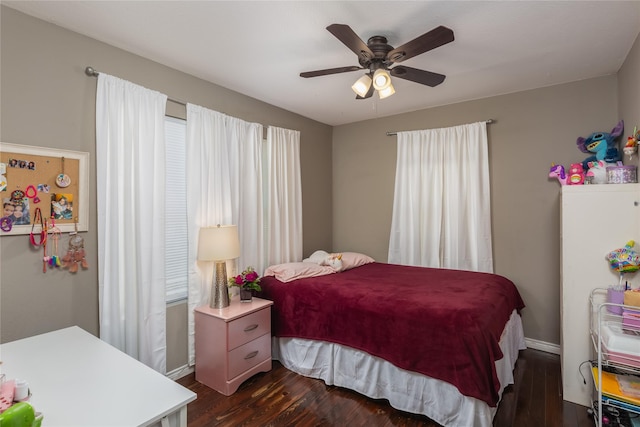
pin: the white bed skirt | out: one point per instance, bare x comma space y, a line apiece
371, 376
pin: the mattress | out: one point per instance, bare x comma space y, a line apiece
408, 391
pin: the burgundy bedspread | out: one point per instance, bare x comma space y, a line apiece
442, 323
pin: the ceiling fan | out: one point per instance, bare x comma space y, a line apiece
377, 57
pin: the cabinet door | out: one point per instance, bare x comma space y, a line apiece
595, 219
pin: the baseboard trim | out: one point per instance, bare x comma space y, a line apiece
542, 346
180, 372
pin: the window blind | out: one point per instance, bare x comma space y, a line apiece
176, 258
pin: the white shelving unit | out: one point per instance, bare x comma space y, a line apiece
606, 326
584, 267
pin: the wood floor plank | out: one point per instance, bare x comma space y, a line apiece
526, 392
553, 395
283, 398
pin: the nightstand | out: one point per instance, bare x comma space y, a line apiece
232, 343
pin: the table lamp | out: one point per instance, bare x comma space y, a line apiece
219, 244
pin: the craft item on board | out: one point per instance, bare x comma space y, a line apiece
63, 180
37, 216
6, 224
17, 196
44, 247
53, 259
75, 253
32, 193
3, 178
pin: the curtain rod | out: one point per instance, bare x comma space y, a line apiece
91, 72
489, 121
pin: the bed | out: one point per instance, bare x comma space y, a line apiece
437, 342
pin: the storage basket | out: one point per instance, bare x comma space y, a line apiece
622, 174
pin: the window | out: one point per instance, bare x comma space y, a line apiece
176, 255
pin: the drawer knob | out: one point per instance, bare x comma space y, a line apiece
251, 355
251, 327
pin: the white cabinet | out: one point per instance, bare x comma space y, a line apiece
595, 219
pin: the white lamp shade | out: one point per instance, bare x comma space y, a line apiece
362, 85
383, 93
218, 243
381, 79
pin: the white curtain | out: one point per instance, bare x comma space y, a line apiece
284, 196
224, 186
247, 191
130, 160
441, 208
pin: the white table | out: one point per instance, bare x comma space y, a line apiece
78, 380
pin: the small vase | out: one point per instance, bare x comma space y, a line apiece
245, 295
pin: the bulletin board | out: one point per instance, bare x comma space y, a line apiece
53, 180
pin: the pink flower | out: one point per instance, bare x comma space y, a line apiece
248, 279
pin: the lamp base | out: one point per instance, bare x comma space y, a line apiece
219, 290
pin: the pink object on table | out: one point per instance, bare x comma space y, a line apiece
7, 391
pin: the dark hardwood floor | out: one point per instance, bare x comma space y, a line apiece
283, 398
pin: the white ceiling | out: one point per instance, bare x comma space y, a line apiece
259, 48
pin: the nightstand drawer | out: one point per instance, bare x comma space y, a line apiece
249, 355
249, 327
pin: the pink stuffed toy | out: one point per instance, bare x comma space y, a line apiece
576, 174
557, 171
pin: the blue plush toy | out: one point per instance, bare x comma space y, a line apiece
602, 144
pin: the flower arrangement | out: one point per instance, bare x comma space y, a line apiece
248, 279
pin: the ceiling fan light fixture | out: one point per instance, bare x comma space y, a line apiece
362, 85
386, 92
381, 79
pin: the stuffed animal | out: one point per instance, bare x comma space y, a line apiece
632, 143
324, 258
576, 174
602, 144
557, 171
597, 173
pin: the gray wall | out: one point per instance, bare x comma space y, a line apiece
48, 101
532, 129
629, 89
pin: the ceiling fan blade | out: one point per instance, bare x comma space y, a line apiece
329, 71
368, 94
346, 35
419, 76
426, 42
